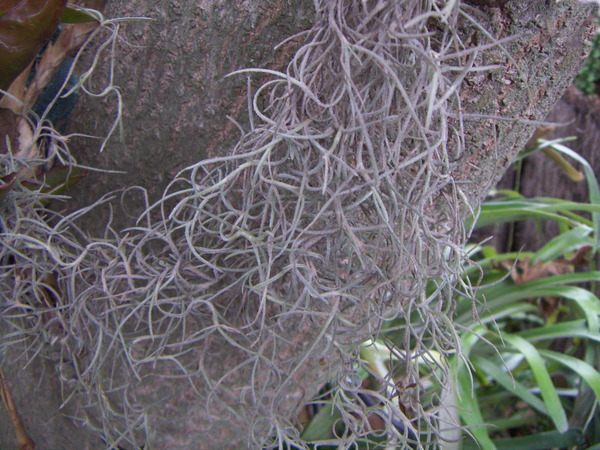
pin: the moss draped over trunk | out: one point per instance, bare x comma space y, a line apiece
176, 102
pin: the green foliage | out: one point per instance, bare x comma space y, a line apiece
526, 376
529, 378
590, 73
77, 14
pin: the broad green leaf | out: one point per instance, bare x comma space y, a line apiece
568, 278
77, 14
55, 182
564, 243
319, 428
518, 419
503, 311
583, 369
59, 179
487, 267
572, 329
501, 211
489, 251
542, 288
587, 301
499, 374
548, 391
469, 409
594, 190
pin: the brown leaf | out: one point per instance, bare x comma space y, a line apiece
524, 272
581, 257
540, 133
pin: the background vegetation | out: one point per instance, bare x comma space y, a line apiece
527, 377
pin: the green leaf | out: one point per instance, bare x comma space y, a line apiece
571, 329
499, 374
469, 411
563, 243
545, 287
77, 14
467, 401
489, 251
320, 427
594, 190
556, 280
58, 180
587, 301
521, 418
549, 393
583, 369
501, 211
498, 313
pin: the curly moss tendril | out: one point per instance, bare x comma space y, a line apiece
331, 214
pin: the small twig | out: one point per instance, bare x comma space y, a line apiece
23, 439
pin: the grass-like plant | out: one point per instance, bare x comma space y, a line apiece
533, 351
527, 374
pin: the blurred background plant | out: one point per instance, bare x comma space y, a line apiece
528, 376
587, 80
531, 366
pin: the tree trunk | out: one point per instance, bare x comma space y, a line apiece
176, 101
176, 96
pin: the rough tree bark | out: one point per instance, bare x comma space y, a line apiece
176, 102
172, 77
